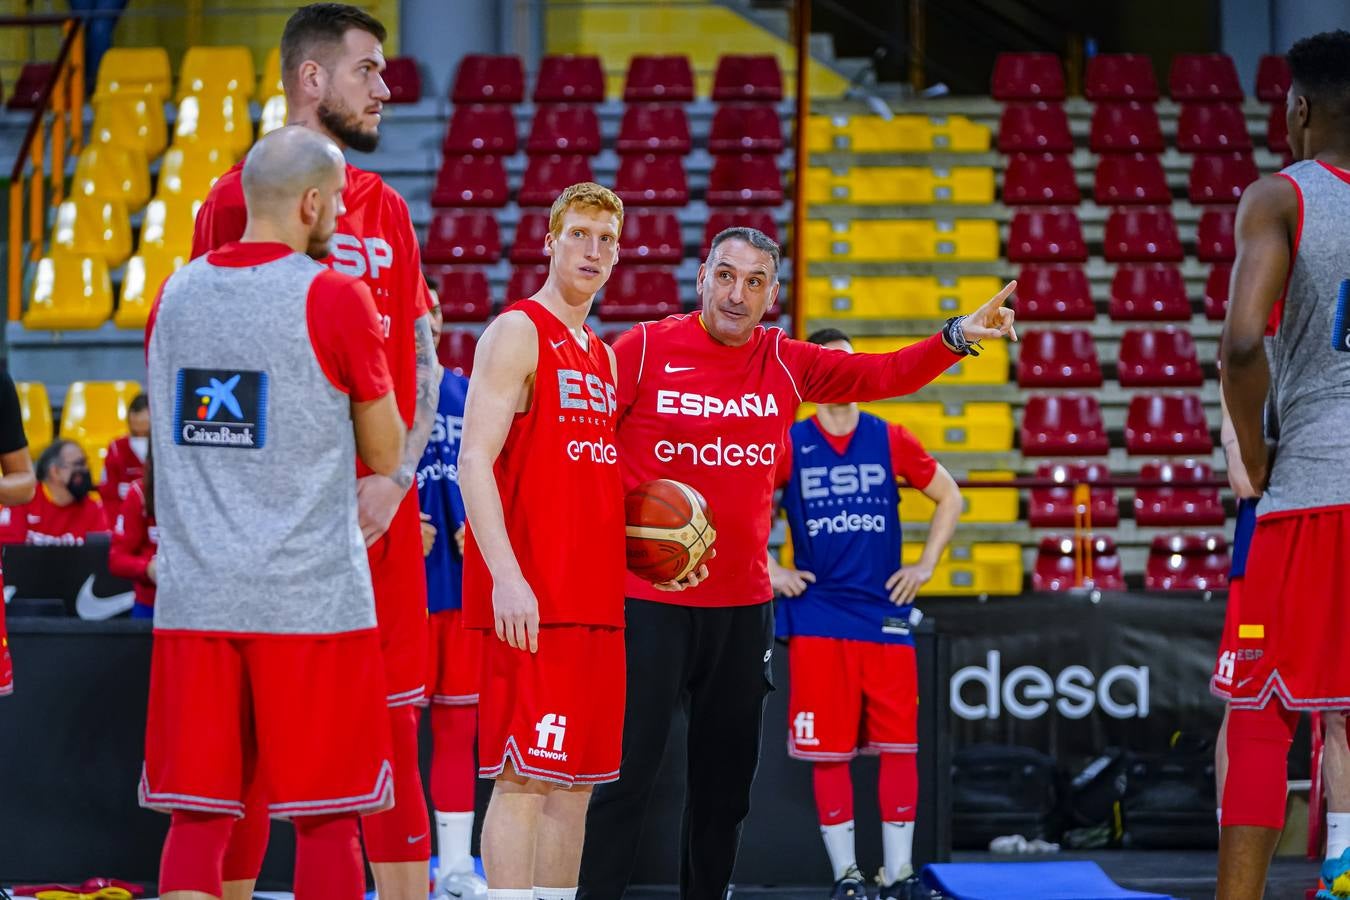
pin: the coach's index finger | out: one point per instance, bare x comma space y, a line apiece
996, 301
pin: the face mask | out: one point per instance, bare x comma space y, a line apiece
79, 484
140, 445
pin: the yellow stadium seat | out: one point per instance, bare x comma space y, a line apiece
131, 121
978, 505
87, 226
145, 274
269, 85
35, 407
900, 184
109, 172
902, 134
902, 240
134, 70
971, 570
70, 292
214, 122
896, 297
273, 115
95, 412
990, 367
217, 71
167, 226
190, 171
957, 427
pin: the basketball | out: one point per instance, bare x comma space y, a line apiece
669, 530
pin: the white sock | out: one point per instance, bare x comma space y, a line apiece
1338, 834
555, 893
510, 894
454, 836
897, 843
839, 845
1218, 814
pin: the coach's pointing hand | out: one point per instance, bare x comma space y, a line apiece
993, 320
516, 611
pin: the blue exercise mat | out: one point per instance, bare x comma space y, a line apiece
1028, 881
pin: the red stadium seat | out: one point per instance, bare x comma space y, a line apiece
1055, 568
464, 290
1277, 130
747, 179
1177, 504
27, 93
1165, 357
613, 333
1057, 359
1187, 562
1120, 76
652, 180
1142, 235
1034, 127
1054, 507
1150, 292
639, 293
1204, 77
1054, 294
1221, 177
1046, 235
456, 350
651, 238
1212, 128
482, 78
1167, 424
1129, 179
1216, 291
746, 128
548, 176
1128, 127
570, 79
462, 237
1214, 238
1040, 179
1028, 76
470, 181
525, 281
732, 218
528, 246
1063, 425
488, 130
565, 129
654, 128
1272, 79
403, 80
755, 78
659, 79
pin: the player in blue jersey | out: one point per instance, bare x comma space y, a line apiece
454, 652
845, 610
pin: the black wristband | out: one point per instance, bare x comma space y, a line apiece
954, 336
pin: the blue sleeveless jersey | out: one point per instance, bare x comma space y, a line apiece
844, 512
438, 492
1242, 536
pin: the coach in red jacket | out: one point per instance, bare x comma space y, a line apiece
706, 399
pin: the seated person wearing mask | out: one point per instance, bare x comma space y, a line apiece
62, 511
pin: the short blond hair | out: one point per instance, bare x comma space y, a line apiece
584, 195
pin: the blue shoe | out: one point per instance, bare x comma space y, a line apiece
1336, 878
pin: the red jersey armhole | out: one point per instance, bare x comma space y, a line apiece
1277, 311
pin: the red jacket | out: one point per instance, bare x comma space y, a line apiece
135, 541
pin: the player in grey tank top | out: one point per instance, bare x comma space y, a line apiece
1292, 269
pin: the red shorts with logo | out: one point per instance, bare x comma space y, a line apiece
399, 577
1294, 626
305, 713
557, 715
848, 696
6, 664
1221, 681
455, 654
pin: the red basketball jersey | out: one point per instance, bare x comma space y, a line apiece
558, 475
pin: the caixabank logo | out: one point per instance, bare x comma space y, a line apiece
221, 408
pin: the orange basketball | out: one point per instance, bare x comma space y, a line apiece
669, 530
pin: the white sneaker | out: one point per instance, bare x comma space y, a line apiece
460, 886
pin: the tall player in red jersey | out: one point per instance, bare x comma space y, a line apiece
707, 399
331, 60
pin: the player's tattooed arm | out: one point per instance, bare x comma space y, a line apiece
424, 414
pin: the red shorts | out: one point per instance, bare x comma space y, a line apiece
848, 696
399, 577
307, 714
556, 714
6, 664
1221, 681
1295, 613
455, 654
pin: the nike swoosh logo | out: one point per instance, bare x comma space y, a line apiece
555, 345
671, 370
808, 449
89, 605
413, 840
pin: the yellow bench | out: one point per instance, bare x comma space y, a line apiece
896, 297
990, 367
900, 184
971, 569
902, 134
978, 505
980, 427
902, 240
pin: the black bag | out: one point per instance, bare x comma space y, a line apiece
1169, 797
1000, 790
1095, 792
